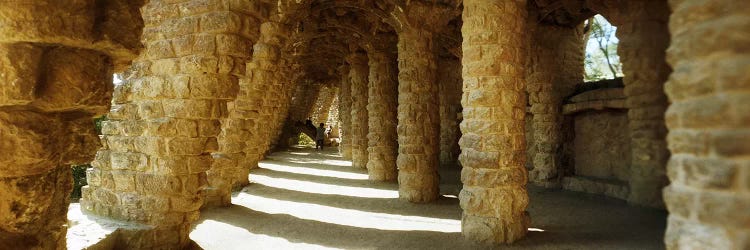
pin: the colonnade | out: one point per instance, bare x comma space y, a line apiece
207, 97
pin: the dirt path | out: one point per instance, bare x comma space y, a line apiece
305, 199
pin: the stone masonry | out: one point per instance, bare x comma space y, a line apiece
644, 37
232, 158
555, 54
56, 65
382, 107
418, 109
165, 119
493, 144
212, 86
345, 112
450, 90
358, 76
709, 126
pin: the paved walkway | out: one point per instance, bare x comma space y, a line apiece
306, 199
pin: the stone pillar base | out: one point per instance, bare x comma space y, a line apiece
490, 230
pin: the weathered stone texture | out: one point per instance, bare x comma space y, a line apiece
450, 81
256, 110
494, 197
382, 108
323, 105
56, 65
345, 114
233, 160
644, 38
418, 116
165, 119
602, 145
333, 116
358, 75
709, 123
555, 66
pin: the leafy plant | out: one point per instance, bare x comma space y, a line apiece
305, 140
602, 61
79, 180
79, 171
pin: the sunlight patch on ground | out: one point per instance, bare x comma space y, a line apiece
325, 162
313, 171
319, 188
347, 217
299, 153
211, 234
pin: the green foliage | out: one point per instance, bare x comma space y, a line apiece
98, 124
79, 171
79, 180
305, 140
602, 61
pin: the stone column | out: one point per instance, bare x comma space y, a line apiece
333, 115
232, 163
449, 76
418, 116
644, 38
709, 126
345, 113
304, 102
264, 96
382, 107
358, 73
494, 197
165, 121
323, 105
56, 65
555, 67
287, 75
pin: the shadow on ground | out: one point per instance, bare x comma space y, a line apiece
308, 199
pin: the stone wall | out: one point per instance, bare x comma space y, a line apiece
245, 133
709, 126
323, 105
268, 91
602, 145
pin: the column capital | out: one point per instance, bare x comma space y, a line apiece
423, 15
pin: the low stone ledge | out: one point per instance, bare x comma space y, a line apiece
608, 188
573, 108
599, 95
93, 232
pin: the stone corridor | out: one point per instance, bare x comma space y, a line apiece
477, 109
306, 199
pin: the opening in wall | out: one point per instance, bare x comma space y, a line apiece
602, 61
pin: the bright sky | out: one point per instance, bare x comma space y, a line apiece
593, 46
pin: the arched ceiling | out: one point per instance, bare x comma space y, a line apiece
326, 31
